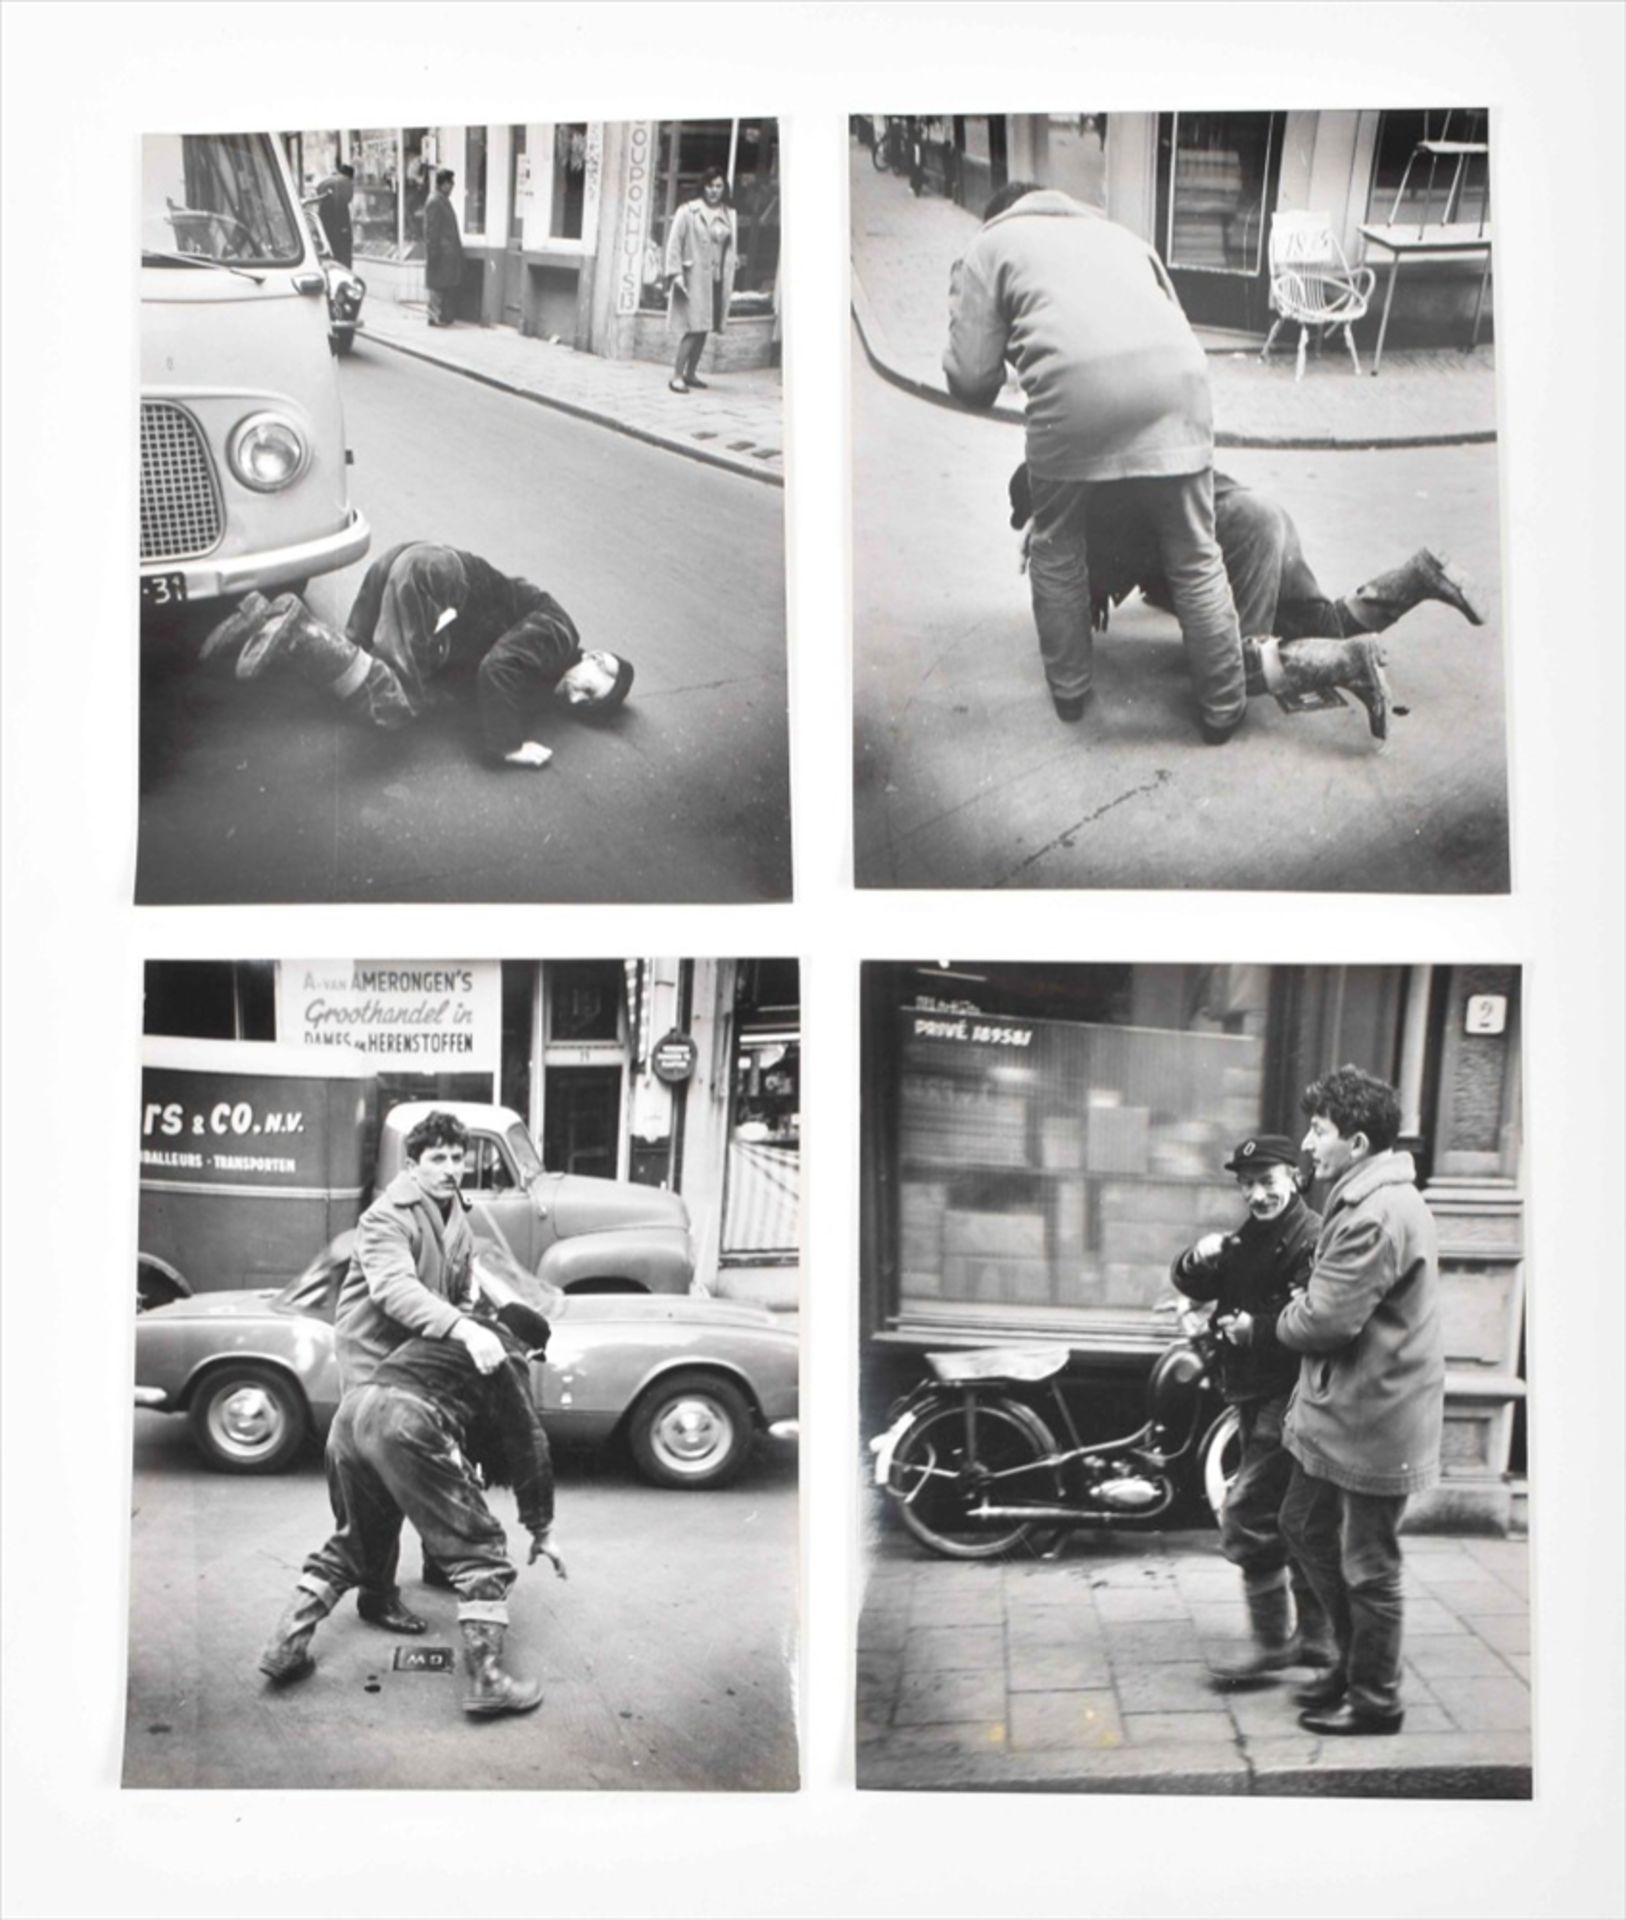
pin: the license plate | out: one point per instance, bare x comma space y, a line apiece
163, 590
425, 1660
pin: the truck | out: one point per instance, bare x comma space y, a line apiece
255, 1155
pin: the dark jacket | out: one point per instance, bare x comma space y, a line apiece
410, 1273
1369, 1409
1263, 1264
333, 198
492, 1417
442, 244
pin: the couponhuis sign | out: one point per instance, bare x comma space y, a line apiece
431, 1016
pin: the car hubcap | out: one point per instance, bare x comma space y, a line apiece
691, 1434
247, 1420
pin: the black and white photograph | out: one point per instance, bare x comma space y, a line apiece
1193, 1370
467, 1375
1177, 432
462, 515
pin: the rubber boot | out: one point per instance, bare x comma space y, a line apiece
1269, 1619
237, 627
1317, 666
491, 1690
287, 1653
1425, 576
1313, 1644
291, 639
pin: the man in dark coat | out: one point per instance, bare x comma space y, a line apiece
1368, 1413
1251, 1275
427, 613
333, 197
443, 250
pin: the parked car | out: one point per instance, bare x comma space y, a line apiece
688, 1383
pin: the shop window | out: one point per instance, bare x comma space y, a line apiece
1217, 202
763, 1201
1076, 157
748, 152
313, 156
375, 153
211, 999
1437, 189
419, 162
569, 181
474, 182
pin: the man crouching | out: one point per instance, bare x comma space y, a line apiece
1251, 1275
420, 1439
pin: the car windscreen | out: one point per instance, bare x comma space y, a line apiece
216, 197
524, 1152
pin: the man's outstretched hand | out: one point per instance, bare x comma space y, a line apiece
543, 1548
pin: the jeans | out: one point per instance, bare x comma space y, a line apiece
1181, 511
388, 1454
1348, 1545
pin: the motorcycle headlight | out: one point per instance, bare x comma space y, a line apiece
267, 452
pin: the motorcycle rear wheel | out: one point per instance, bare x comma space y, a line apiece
936, 1490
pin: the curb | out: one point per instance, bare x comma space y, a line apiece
705, 455
872, 336
1445, 1780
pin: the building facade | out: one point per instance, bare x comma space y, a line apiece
681, 1074
1041, 1141
564, 224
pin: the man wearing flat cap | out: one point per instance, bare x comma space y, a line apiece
1251, 1275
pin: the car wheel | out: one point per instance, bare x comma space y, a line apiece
692, 1430
249, 1419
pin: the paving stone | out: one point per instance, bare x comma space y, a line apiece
970, 1737
1429, 1616
1145, 1642
1137, 1574
1038, 1669
972, 1608
1184, 1686
1479, 1704
1509, 1560
955, 1649
1065, 1720
928, 1697
877, 1678
1264, 1713
1158, 1729
882, 1631
1054, 1627
1119, 1605
1520, 1663
1453, 1656
1484, 1595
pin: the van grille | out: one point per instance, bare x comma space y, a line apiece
180, 502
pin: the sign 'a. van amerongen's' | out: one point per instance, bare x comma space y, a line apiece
421, 1016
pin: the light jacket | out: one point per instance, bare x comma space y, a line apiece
1369, 1408
410, 1273
696, 260
1116, 383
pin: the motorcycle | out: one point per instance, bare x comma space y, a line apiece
973, 1464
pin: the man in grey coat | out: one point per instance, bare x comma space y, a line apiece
1117, 402
1366, 1418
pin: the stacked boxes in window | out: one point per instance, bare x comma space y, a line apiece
920, 1237
996, 1259
1145, 1223
962, 1123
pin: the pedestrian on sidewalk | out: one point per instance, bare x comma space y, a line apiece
1251, 1275
701, 260
443, 250
334, 193
1117, 398
1366, 1418
429, 616
1280, 603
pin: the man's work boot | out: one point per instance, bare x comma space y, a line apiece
237, 627
1269, 1619
1425, 576
289, 638
1292, 667
490, 1689
1313, 1644
387, 1610
287, 1653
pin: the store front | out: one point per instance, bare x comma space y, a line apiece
763, 1180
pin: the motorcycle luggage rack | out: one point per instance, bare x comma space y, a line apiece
1025, 1364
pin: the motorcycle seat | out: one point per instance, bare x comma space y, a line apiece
1020, 1365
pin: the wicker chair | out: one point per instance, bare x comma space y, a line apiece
1312, 284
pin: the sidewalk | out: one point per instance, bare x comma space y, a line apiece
903, 248
737, 422
1087, 1674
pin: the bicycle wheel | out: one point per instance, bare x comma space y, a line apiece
938, 1487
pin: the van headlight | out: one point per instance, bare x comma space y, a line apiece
267, 452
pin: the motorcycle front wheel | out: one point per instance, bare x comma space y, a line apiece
941, 1473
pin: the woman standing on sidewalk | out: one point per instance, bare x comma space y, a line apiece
701, 254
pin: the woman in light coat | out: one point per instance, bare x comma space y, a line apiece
701, 256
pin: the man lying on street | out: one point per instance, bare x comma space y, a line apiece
1251, 1275
1317, 643
1366, 1419
427, 613
422, 1439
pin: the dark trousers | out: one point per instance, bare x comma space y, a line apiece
1250, 1525
1348, 1545
388, 1454
1180, 510
441, 300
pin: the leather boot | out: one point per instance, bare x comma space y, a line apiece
490, 1689
237, 627
1319, 666
1425, 576
387, 1610
287, 1653
1269, 1616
